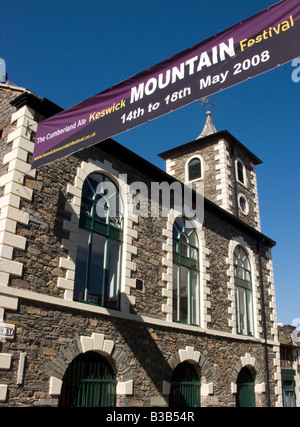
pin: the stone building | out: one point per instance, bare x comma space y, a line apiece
109, 296
289, 339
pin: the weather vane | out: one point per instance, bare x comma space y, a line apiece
207, 102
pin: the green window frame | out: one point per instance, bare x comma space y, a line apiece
99, 250
186, 273
243, 292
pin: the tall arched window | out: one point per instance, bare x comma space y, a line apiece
194, 169
186, 287
243, 287
98, 261
241, 172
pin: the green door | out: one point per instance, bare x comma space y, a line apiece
89, 381
245, 389
185, 387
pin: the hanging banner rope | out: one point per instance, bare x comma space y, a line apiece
256, 45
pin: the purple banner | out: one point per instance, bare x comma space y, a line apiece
254, 46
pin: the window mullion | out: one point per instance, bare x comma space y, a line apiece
190, 306
90, 243
90, 247
250, 325
120, 271
105, 269
238, 313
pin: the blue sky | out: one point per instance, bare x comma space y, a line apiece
69, 50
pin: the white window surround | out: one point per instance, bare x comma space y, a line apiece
250, 362
245, 183
231, 286
274, 330
223, 175
96, 342
3, 392
17, 167
167, 277
272, 299
189, 354
14, 190
67, 283
253, 181
245, 211
187, 169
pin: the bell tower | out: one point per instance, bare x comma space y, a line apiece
225, 166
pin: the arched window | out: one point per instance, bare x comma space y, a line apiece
194, 169
243, 287
89, 381
185, 387
186, 287
241, 172
245, 389
98, 262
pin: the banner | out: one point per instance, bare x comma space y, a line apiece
256, 45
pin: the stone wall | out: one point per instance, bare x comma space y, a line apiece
142, 353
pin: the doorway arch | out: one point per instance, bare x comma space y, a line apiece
245, 389
185, 387
89, 381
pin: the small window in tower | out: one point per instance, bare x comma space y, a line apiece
194, 169
243, 204
32, 136
241, 173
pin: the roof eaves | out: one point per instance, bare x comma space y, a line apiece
41, 105
197, 142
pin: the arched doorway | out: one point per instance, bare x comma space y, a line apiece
89, 381
185, 387
245, 389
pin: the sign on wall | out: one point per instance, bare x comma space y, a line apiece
254, 46
7, 331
